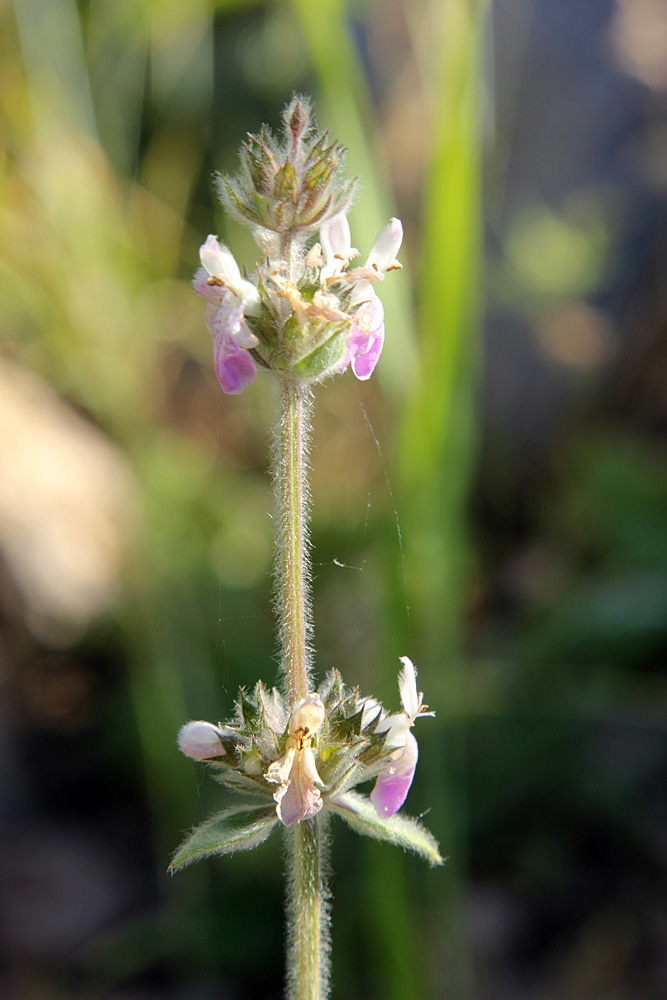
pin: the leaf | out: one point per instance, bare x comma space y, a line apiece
229, 831
359, 812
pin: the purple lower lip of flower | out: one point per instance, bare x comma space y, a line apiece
233, 365
295, 803
366, 339
393, 784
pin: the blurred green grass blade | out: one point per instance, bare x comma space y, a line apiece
436, 452
345, 106
438, 436
55, 64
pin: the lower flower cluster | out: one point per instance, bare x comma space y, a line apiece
307, 762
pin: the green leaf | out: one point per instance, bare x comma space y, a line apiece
229, 831
359, 812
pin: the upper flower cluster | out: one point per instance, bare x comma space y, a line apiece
304, 312
331, 741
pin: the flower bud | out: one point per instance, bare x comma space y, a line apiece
200, 740
292, 185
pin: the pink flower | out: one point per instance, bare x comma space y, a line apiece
366, 337
233, 365
229, 296
393, 783
298, 796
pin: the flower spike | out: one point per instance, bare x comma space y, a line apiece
305, 313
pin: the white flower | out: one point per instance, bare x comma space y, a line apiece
298, 796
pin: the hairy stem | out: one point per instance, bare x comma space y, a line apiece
307, 913
307, 907
293, 568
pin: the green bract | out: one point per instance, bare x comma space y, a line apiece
291, 185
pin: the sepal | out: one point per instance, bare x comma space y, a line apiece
403, 831
331, 690
229, 831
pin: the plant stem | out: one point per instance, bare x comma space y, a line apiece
307, 913
293, 569
307, 908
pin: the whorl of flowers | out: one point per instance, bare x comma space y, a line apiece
305, 312
332, 741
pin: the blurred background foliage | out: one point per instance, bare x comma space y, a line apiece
493, 503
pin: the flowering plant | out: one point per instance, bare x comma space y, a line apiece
304, 314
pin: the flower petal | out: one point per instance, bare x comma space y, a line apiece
407, 686
244, 337
336, 245
307, 717
393, 784
396, 727
386, 246
210, 293
219, 263
299, 798
235, 370
366, 338
280, 770
233, 365
294, 803
200, 741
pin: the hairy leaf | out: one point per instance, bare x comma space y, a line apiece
229, 831
359, 812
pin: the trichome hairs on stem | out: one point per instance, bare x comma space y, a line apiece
290, 449
308, 910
